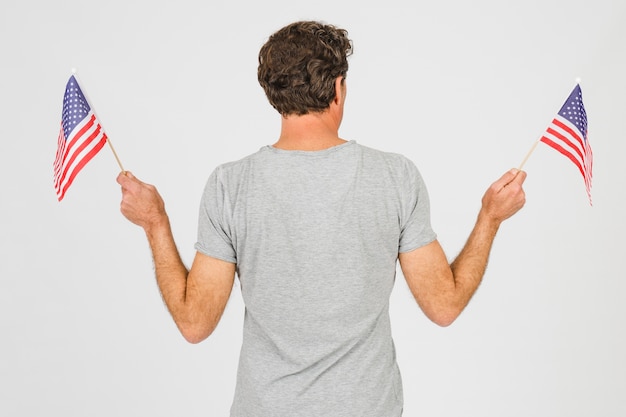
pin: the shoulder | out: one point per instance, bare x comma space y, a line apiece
378, 153
396, 163
237, 168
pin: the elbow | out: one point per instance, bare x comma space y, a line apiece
444, 318
195, 327
443, 321
193, 338
194, 334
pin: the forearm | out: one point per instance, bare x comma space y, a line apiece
503, 199
171, 273
469, 266
195, 298
443, 290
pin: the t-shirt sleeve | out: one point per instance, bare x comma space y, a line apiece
415, 227
215, 221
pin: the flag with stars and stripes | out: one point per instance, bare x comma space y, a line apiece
80, 139
568, 134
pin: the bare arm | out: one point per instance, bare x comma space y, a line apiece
196, 298
442, 290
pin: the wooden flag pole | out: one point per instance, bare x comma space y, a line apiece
528, 154
115, 154
94, 112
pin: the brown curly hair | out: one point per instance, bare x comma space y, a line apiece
299, 64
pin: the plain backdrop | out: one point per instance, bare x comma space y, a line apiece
462, 88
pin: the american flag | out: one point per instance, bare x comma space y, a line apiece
81, 137
568, 134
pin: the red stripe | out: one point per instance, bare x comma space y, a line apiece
77, 151
565, 152
60, 147
569, 130
82, 164
570, 150
71, 152
58, 161
567, 141
589, 159
75, 138
68, 148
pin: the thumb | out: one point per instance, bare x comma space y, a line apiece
513, 175
124, 177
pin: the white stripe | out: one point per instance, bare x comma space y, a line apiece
63, 163
61, 142
571, 148
79, 154
586, 161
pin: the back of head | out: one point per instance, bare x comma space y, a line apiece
299, 64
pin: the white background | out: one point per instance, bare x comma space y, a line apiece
462, 88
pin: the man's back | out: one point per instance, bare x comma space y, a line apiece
315, 236
314, 227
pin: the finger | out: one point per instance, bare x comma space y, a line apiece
126, 178
505, 180
121, 177
520, 177
514, 176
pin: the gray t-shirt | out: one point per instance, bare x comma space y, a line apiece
316, 236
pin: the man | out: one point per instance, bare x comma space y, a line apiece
313, 226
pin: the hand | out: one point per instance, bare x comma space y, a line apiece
141, 202
505, 197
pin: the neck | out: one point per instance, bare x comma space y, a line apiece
310, 132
